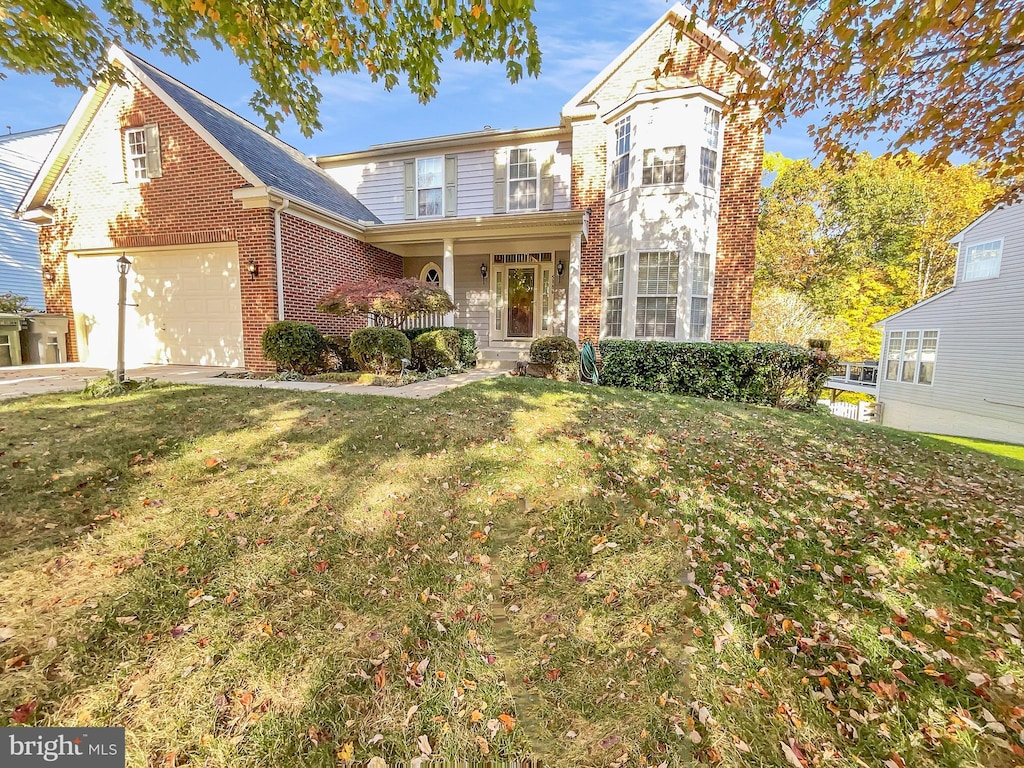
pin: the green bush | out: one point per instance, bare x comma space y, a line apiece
766, 374
379, 350
467, 352
559, 352
436, 349
339, 354
295, 346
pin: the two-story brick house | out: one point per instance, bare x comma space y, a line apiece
634, 216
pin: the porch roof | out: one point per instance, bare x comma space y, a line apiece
496, 227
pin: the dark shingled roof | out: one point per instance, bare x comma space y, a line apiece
273, 162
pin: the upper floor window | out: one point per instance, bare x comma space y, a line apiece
709, 152
910, 356
142, 153
664, 166
657, 294
982, 260
620, 162
430, 186
522, 180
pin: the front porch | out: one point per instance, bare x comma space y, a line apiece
513, 279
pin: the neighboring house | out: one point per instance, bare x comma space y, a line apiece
21, 154
634, 217
953, 364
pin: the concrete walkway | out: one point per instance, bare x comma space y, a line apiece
25, 380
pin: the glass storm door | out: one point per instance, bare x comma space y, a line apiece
522, 284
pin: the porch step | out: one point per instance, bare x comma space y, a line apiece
510, 356
495, 365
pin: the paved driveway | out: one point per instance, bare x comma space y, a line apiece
42, 379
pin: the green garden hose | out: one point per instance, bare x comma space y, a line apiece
588, 363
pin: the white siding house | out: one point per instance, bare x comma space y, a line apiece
954, 363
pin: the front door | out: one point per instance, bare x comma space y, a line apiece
522, 294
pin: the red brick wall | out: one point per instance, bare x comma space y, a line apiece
317, 260
191, 203
742, 156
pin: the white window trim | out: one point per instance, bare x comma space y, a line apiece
427, 268
717, 149
440, 187
130, 157
999, 265
706, 296
606, 295
660, 154
901, 359
509, 181
616, 157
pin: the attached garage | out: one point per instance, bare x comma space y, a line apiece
184, 306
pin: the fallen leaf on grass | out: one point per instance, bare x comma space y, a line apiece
347, 752
23, 712
482, 745
507, 721
424, 744
6, 633
125, 620
794, 755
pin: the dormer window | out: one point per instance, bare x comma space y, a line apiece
620, 162
142, 153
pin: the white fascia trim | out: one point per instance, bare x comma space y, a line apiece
118, 56
271, 197
76, 124
579, 105
41, 215
688, 92
880, 325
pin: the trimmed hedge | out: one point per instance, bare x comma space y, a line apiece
560, 354
379, 350
467, 351
436, 349
766, 374
295, 346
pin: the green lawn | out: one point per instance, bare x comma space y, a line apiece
1014, 453
517, 568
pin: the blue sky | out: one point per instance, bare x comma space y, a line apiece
356, 112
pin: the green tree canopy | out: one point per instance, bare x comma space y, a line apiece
284, 44
863, 241
939, 78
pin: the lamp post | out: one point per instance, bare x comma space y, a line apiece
123, 265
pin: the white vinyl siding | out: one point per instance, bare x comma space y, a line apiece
700, 287
615, 275
982, 260
664, 166
657, 294
620, 161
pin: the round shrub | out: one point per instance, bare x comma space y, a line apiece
467, 352
339, 355
295, 346
560, 353
379, 350
437, 349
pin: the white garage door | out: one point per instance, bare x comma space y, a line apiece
187, 307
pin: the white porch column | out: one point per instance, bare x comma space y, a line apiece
572, 328
448, 275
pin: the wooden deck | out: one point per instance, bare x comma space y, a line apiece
859, 377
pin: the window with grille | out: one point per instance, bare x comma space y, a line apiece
615, 274
620, 162
522, 180
700, 287
911, 356
664, 166
657, 294
430, 186
709, 152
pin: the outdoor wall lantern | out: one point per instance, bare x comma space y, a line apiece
254, 269
560, 269
483, 271
49, 275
